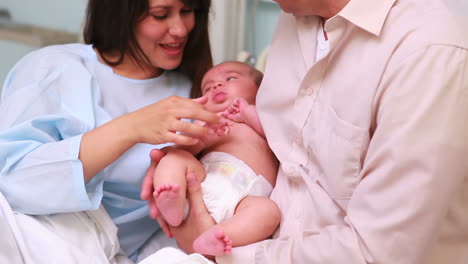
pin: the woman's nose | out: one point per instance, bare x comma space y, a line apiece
178, 27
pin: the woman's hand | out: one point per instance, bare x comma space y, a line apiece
157, 123
162, 122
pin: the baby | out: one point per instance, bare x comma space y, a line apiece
237, 170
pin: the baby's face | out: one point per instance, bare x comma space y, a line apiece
226, 82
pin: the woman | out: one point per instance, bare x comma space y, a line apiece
78, 121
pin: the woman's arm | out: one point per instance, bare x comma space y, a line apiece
155, 124
49, 141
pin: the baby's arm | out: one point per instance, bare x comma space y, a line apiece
241, 111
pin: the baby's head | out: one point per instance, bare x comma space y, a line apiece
227, 81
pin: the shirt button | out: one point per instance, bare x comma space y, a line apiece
298, 140
290, 170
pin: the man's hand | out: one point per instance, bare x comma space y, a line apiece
198, 220
147, 190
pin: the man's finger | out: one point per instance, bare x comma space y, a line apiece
153, 208
147, 184
195, 195
156, 155
164, 226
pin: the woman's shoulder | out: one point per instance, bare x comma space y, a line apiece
52, 59
49, 63
60, 54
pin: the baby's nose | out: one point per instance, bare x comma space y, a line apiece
217, 85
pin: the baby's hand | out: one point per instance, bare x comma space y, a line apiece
235, 111
221, 130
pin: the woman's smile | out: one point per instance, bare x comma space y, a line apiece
173, 49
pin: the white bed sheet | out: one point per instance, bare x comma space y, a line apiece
82, 237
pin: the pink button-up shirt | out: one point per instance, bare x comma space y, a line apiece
372, 138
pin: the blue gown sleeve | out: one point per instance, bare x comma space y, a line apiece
49, 100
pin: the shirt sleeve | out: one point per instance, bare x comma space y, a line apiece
414, 168
48, 103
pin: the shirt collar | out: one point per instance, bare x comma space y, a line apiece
369, 15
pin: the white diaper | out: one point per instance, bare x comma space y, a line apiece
228, 181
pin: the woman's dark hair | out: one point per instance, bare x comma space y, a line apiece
110, 27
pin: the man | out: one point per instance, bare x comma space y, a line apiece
365, 105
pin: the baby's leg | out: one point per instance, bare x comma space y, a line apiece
255, 219
213, 242
170, 183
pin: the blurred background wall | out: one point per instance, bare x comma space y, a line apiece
57, 15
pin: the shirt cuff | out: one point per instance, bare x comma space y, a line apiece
89, 193
245, 254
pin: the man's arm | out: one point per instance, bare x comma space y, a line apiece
414, 169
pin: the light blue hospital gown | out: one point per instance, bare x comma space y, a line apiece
49, 100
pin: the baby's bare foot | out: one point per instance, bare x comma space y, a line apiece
213, 242
170, 202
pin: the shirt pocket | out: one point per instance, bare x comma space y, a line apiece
337, 147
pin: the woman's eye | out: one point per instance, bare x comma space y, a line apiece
231, 78
159, 17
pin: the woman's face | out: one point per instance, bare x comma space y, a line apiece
163, 34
